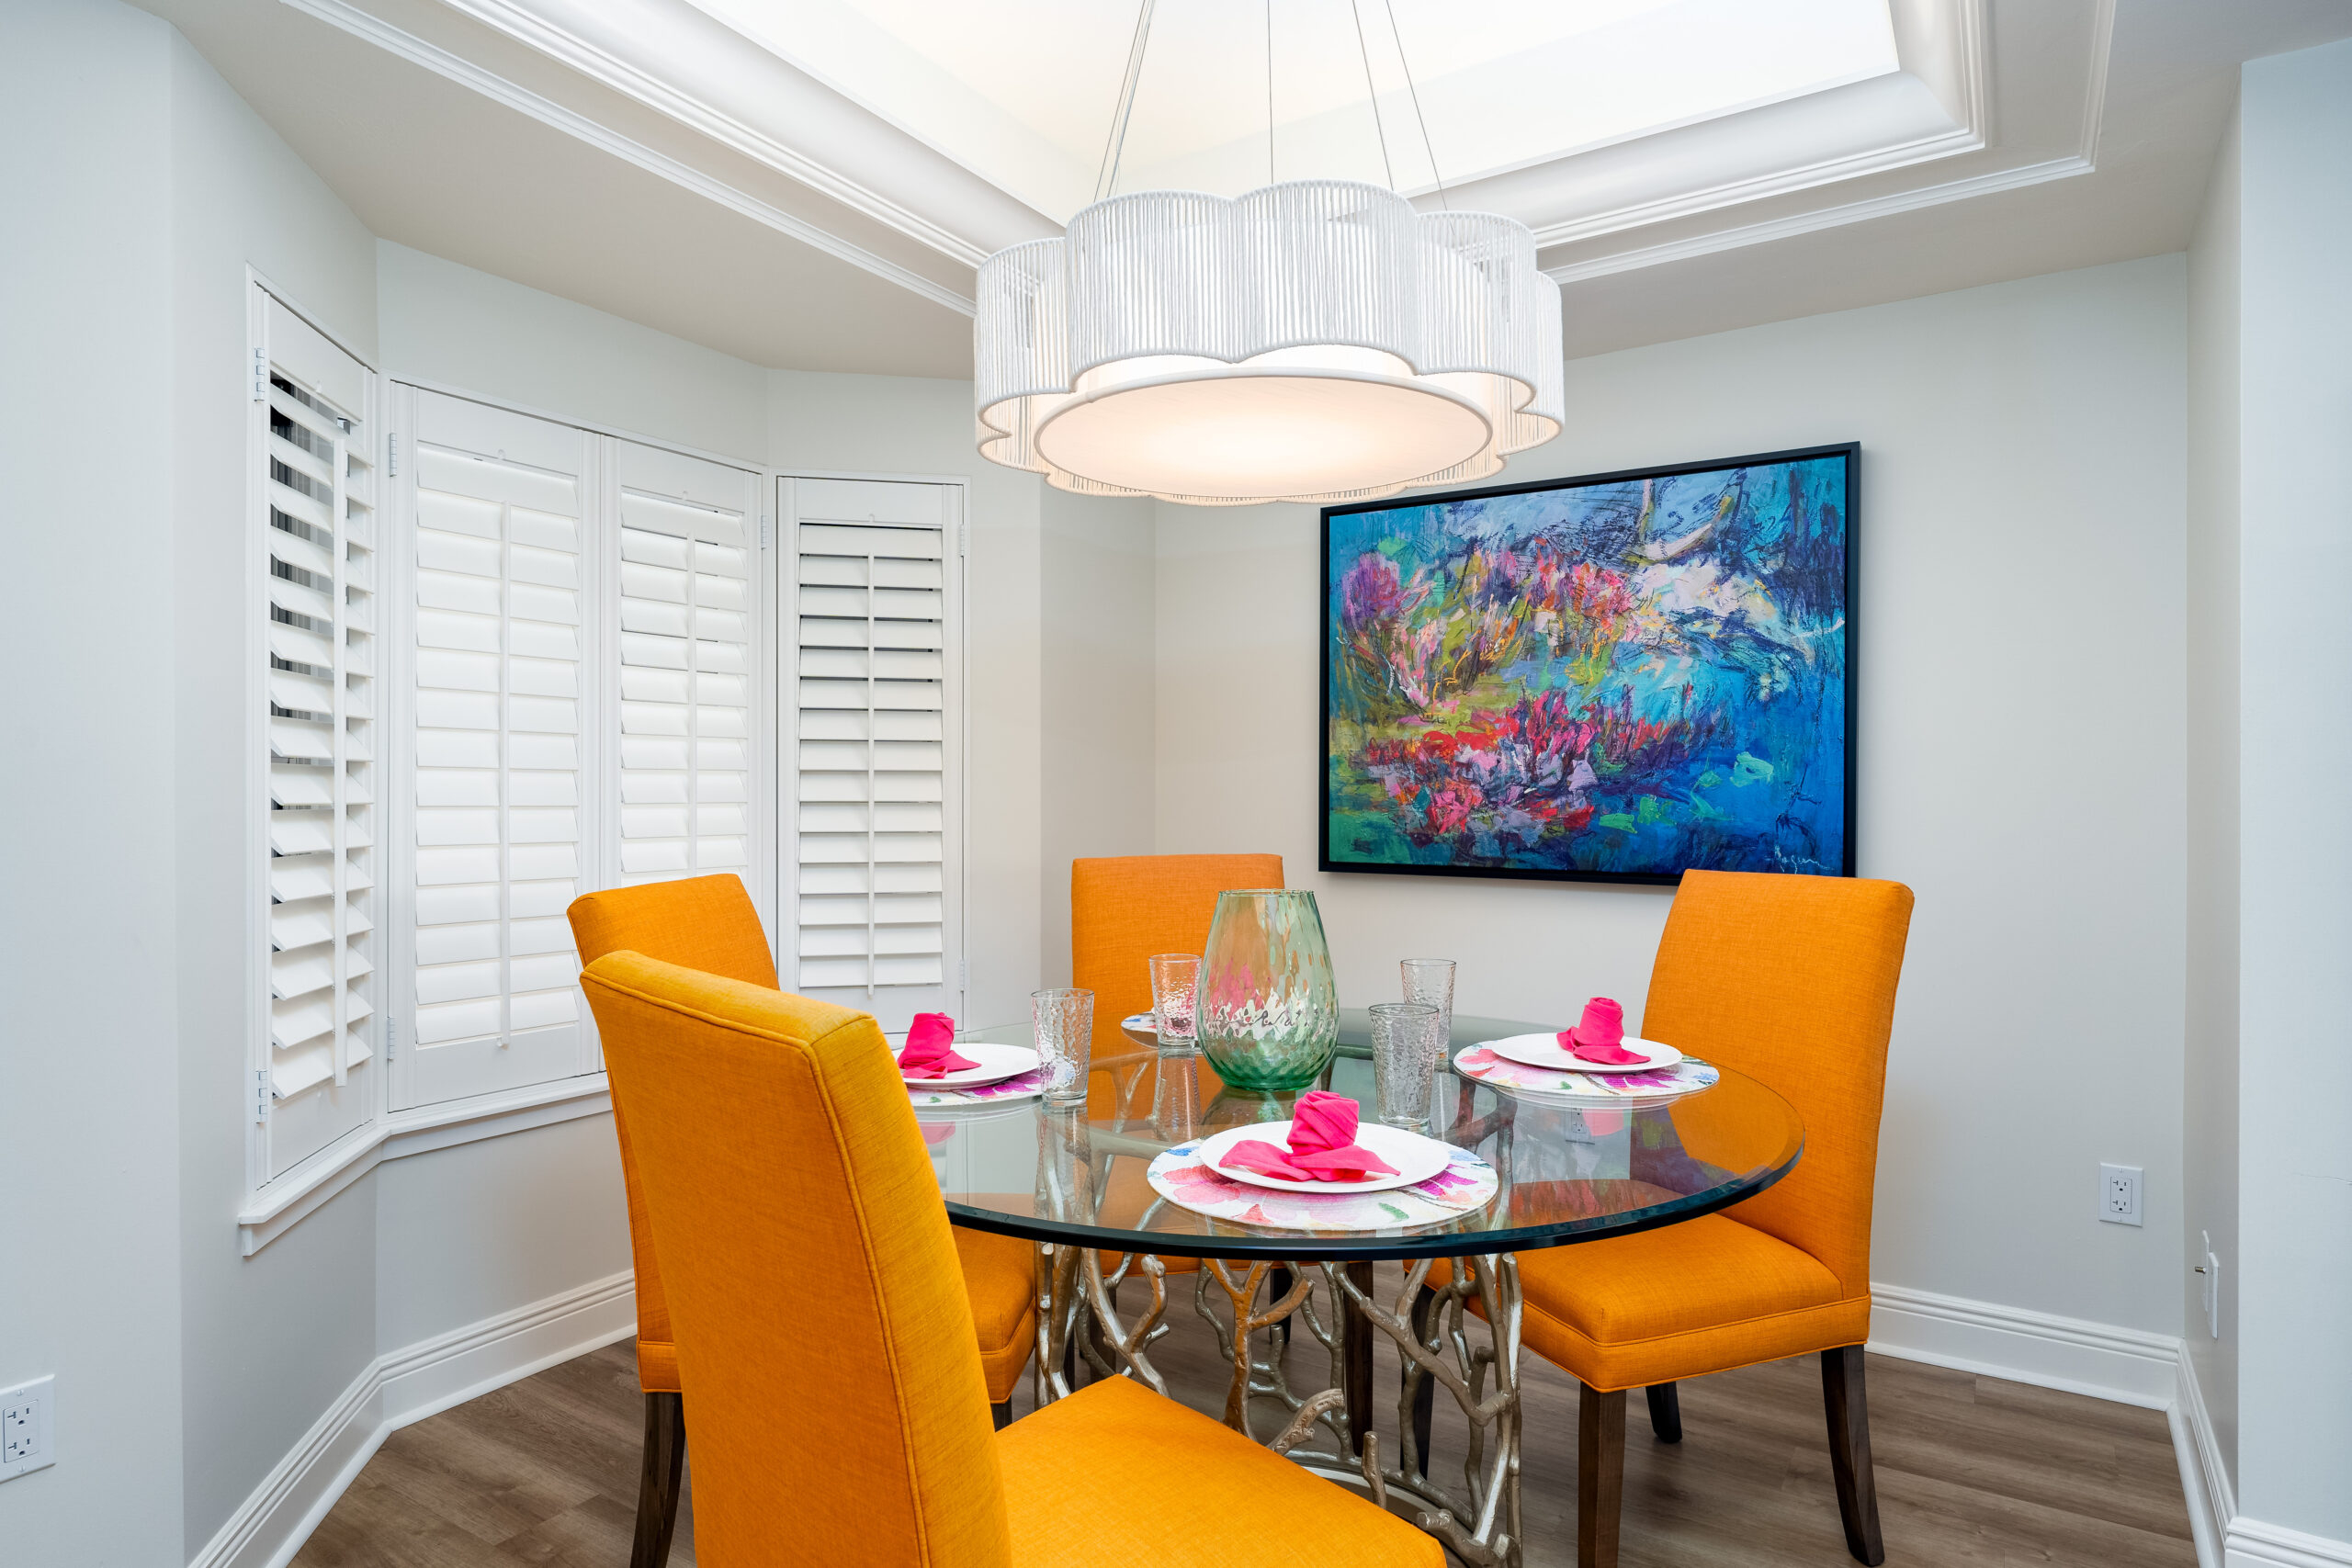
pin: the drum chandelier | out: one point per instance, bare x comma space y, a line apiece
1312, 340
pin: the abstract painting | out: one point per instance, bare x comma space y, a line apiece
1606, 678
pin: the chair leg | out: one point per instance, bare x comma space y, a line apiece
1850, 1452
657, 1487
1601, 1474
1425, 1396
1666, 1412
1002, 1413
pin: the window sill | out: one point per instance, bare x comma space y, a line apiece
287, 1202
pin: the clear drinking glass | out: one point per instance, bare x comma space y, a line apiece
1064, 1021
1407, 1042
1175, 990
1431, 980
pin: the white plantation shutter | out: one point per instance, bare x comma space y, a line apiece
876, 844
318, 485
496, 698
689, 621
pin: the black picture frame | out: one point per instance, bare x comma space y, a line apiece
1850, 451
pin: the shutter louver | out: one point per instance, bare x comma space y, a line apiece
496, 701
870, 840
687, 602
320, 510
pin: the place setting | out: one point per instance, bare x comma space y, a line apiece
940, 1073
1324, 1168
1593, 1060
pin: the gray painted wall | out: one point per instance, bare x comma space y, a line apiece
2210, 1094
2019, 656
89, 1081
2295, 842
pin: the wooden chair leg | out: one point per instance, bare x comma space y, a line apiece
1850, 1452
1002, 1413
1666, 1412
1601, 1474
1425, 1396
657, 1486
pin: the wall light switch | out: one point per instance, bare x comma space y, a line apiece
25, 1427
2118, 1194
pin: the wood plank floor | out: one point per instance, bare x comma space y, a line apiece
1970, 1470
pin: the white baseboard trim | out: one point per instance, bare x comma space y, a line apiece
2253, 1544
404, 1386
2126, 1365
2212, 1502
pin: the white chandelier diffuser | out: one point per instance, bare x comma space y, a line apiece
1315, 340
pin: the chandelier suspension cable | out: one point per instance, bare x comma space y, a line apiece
1117, 144
1427, 147
1270, 92
1356, 10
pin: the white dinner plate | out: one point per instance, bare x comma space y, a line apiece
997, 1062
1417, 1158
1545, 1051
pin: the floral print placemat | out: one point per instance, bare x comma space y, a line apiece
1466, 1185
1021, 1088
1685, 1077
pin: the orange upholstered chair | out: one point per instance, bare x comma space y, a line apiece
848, 1425
1124, 911
709, 923
1790, 980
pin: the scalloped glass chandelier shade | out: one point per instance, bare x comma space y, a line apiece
1315, 340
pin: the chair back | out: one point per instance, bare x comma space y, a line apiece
702, 922
1790, 980
1125, 909
825, 1340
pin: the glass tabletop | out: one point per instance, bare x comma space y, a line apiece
1566, 1170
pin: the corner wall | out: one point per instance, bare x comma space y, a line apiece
2019, 657
2295, 840
1095, 782
89, 1078
2210, 1111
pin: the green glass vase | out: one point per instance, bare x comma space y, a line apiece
1269, 1013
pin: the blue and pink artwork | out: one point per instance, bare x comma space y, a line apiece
1613, 679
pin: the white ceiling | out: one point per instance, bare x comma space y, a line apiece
817, 200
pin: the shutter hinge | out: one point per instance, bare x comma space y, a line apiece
391, 1036
963, 975
261, 1094
963, 538
393, 456
763, 530
261, 375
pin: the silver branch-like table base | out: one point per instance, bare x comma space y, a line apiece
1252, 1308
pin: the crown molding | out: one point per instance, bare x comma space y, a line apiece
568, 44
349, 18
2083, 160
1821, 218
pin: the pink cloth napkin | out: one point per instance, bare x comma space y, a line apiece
1598, 1036
1323, 1145
931, 1050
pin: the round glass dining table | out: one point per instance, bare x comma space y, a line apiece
1563, 1168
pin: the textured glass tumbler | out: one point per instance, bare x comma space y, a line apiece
1407, 1044
1175, 990
1431, 980
1270, 1016
1064, 1021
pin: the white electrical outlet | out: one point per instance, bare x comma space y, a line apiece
2118, 1194
25, 1427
